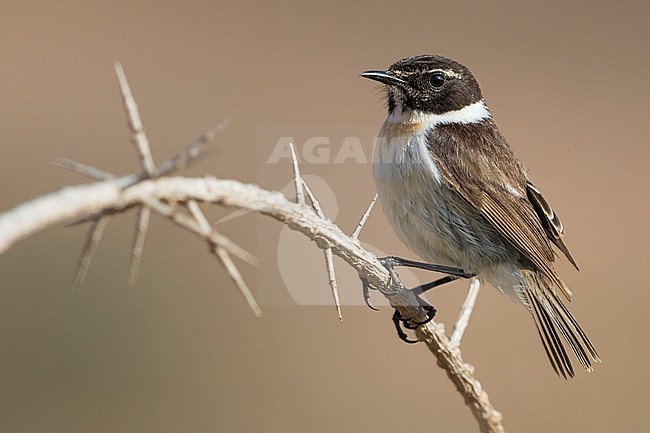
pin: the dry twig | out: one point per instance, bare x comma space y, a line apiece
143, 148
84, 169
465, 312
75, 202
142, 227
223, 256
92, 243
193, 151
112, 196
297, 179
329, 258
364, 218
140, 138
190, 154
220, 245
301, 188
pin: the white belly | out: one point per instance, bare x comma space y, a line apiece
429, 217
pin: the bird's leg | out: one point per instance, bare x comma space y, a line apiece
367, 287
366, 292
422, 288
400, 321
390, 262
417, 290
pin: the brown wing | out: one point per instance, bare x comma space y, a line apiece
487, 175
550, 220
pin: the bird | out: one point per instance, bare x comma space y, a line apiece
456, 194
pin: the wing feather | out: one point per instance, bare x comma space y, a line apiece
490, 177
550, 220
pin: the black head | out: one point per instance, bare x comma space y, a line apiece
432, 84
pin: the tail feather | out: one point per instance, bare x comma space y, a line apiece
561, 320
551, 341
553, 318
587, 343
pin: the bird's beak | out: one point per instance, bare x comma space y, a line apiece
384, 77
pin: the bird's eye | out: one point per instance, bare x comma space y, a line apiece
437, 80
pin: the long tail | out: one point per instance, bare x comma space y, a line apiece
551, 317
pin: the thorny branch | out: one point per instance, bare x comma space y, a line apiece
301, 188
465, 312
329, 258
178, 198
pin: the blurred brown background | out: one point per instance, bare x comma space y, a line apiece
567, 83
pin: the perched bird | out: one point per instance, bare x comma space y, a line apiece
456, 194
